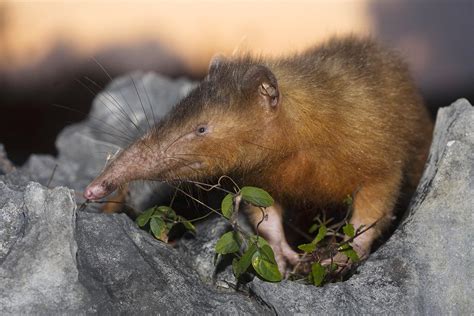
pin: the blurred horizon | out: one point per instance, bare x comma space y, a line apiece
46, 47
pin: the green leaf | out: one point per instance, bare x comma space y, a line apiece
228, 243
348, 200
313, 228
318, 273
236, 268
239, 266
169, 226
167, 211
144, 217
267, 251
321, 234
159, 229
333, 267
348, 230
352, 254
189, 226
260, 241
227, 206
256, 196
308, 248
349, 252
263, 261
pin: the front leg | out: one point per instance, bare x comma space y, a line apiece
272, 230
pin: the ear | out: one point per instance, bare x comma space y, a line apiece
216, 61
259, 79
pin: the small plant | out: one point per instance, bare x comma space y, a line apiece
325, 259
330, 253
251, 252
160, 220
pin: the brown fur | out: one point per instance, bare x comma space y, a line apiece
311, 128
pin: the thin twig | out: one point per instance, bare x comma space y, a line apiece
83, 206
173, 198
199, 218
299, 231
52, 175
196, 200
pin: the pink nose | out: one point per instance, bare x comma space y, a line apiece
95, 192
88, 194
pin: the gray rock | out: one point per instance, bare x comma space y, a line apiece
200, 253
128, 271
104, 264
38, 269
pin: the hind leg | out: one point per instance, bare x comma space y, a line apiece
272, 230
373, 203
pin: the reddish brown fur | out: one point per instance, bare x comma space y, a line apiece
363, 122
347, 119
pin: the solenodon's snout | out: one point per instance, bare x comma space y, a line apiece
133, 163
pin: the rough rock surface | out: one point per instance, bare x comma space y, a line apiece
38, 269
54, 258
126, 270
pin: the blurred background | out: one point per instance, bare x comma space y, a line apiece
49, 49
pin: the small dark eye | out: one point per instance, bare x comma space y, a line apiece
201, 130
